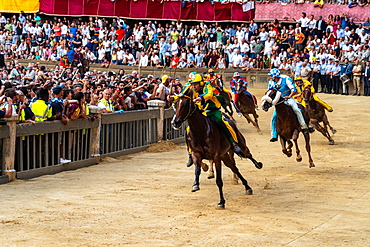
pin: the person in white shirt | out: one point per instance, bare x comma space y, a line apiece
143, 60
244, 47
240, 34
268, 47
285, 66
237, 59
174, 47
64, 30
275, 62
304, 22
263, 36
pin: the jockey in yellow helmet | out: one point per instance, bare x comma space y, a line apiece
300, 86
209, 103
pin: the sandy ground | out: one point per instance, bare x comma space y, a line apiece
145, 199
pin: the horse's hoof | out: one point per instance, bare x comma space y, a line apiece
220, 206
334, 131
289, 154
299, 158
195, 188
249, 192
312, 165
258, 165
211, 175
204, 166
331, 142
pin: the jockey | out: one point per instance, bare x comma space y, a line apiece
209, 103
284, 84
300, 86
212, 79
244, 89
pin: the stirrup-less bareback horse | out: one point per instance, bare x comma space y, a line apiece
287, 124
246, 106
208, 142
317, 115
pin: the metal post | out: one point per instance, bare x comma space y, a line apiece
158, 104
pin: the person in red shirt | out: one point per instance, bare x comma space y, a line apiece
120, 33
174, 61
57, 32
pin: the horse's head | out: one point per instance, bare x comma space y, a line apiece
184, 108
271, 98
307, 94
238, 85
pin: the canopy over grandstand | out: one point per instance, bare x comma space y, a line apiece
16, 6
143, 9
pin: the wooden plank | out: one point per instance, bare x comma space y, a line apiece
4, 131
169, 113
109, 118
54, 126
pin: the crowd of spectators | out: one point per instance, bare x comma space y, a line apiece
61, 94
311, 48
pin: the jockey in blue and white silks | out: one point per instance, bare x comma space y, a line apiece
285, 86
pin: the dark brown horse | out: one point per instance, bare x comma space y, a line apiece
227, 104
287, 124
317, 114
246, 106
207, 142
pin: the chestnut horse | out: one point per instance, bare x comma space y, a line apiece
246, 106
287, 124
208, 142
317, 114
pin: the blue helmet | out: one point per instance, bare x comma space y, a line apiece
274, 73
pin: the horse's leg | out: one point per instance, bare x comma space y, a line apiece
326, 122
211, 173
283, 146
255, 115
221, 204
230, 162
197, 170
249, 119
308, 149
234, 177
322, 130
295, 139
289, 148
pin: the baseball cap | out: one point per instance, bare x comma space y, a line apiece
58, 89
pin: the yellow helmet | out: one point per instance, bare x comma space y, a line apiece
197, 79
298, 78
210, 71
164, 78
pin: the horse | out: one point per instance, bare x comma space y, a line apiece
287, 124
227, 104
207, 142
246, 106
317, 114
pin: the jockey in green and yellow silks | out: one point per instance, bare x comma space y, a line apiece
209, 103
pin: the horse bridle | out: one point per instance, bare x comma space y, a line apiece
191, 111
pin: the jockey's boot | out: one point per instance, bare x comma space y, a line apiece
236, 147
274, 139
305, 131
190, 161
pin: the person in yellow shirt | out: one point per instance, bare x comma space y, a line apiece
299, 97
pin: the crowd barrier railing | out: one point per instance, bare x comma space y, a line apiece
31, 150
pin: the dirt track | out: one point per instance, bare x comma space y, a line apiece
145, 199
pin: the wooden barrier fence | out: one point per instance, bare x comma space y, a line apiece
33, 150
